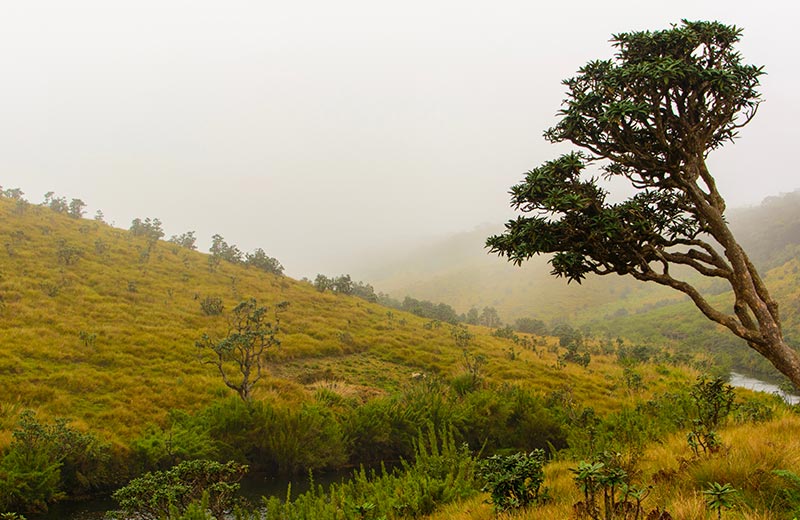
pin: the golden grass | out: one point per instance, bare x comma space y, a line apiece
143, 316
475, 508
751, 453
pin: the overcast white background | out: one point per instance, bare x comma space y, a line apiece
323, 131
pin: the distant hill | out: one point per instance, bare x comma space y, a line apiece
770, 232
457, 270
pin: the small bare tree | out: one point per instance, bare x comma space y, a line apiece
239, 356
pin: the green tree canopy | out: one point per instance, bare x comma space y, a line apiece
651, 115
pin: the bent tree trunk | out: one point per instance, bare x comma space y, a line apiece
756, 317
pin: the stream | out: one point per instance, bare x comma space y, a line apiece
751, 383
253, 487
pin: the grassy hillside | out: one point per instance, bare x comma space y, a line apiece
100, 327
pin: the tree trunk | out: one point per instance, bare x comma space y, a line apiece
783, 357
755, 310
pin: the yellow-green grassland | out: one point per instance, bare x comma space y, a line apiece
99, 326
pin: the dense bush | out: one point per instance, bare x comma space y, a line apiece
509, 420
330, 433
279, 439
441, 472
514, 480
46, 462
385, 429
162, 494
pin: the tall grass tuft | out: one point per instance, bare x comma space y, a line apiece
442, 472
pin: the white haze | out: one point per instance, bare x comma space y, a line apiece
326, 131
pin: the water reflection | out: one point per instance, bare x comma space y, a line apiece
253, 487
742, 381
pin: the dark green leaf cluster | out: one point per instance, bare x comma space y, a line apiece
46, 461
572, 219
260, 260
720, 496
514, 481
667, 97
651, 115
158, 494
713, 400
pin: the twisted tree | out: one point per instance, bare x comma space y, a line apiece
239, 356
651, 115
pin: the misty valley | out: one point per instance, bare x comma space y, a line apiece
595, 358
388, 405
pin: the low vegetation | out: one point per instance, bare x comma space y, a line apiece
106, 330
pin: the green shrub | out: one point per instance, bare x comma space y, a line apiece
508, 419
212, 306
44, 462
464, 384
185, 438
753, 411
372, 434
163, 494
713, 401
514, 481
385, 429
608, 493
306, 439
790, 491
720, 497
442, 472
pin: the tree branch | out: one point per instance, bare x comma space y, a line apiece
726, 320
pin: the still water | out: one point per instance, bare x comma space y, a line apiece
757, 385
253, 487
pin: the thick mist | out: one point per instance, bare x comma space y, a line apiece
328, 132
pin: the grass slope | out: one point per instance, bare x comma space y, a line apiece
98, 327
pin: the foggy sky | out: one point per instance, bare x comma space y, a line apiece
324, 131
